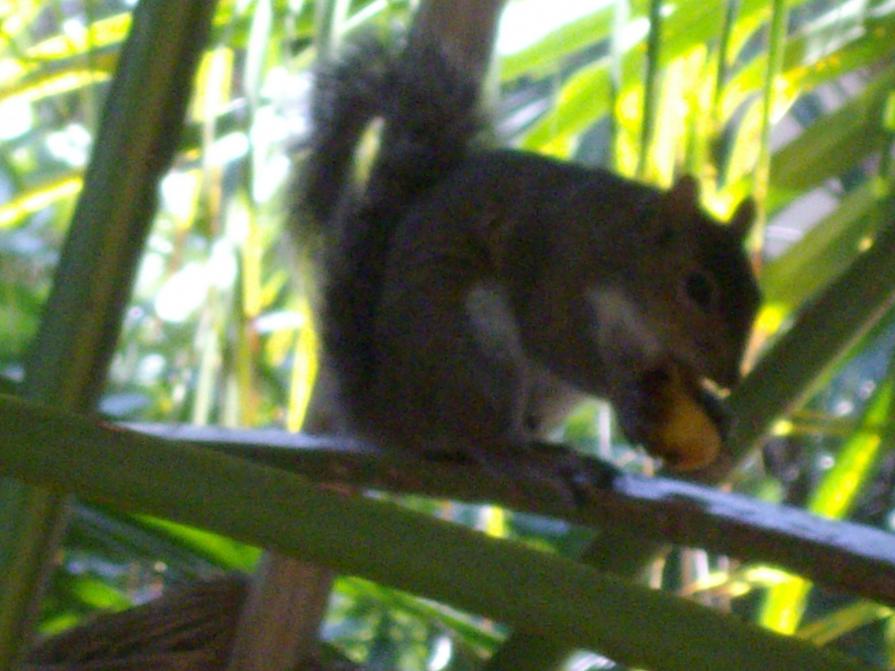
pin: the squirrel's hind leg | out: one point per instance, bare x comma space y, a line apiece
454, 383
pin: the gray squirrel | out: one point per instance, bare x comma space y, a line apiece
473, 296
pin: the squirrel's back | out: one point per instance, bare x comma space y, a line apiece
429, 110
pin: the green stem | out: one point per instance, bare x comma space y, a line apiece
620, 15
650, 87
330, 18
776, 49
70, 355
721, 73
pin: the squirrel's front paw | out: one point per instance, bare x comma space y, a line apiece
553, 471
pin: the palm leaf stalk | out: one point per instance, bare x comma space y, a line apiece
399, 548
71, 352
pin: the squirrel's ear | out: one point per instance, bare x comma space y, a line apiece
743, 218
684, 195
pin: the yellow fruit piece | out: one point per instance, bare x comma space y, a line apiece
684, 434
688, 438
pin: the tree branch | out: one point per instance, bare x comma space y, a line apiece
840, 555
378, 540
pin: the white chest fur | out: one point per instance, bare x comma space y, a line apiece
547, 398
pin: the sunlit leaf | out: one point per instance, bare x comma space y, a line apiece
37, 199
79, 38
304, 369
834, 496
222, 551
97, 594
833, 143
823, 252
820, 53
580, 33
843, 621
42, 86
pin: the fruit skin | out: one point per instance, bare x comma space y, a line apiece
685, 423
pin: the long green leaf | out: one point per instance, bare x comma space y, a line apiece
834, 496
787, 375
776, 46
584, 98
832, 144
848, 41
538, 58
823, 253
36, 199
385, 543
856, 462
650, 86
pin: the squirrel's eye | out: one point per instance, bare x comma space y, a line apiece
700, 290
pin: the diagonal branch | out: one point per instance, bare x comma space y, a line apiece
379, 540
840, 555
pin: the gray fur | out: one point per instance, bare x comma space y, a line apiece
473, 296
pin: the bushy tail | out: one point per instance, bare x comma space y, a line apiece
348, 93
429, 109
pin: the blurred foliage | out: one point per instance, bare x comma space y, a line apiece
218, 330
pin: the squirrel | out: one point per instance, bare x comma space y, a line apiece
473, 296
